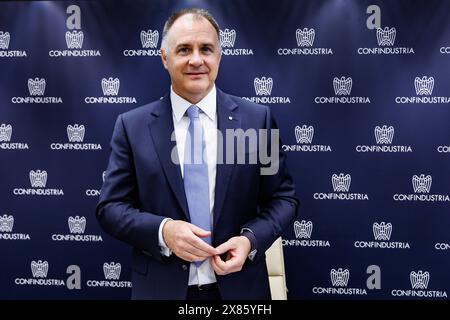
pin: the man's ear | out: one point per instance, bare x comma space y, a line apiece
164, 58
220, 55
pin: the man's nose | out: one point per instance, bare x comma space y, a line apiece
196, 59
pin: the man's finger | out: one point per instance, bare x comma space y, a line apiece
217, 264
224, 247
187, 256
199, 232
202, 245
198, 252
192, 256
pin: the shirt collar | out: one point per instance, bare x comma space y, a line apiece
207, 104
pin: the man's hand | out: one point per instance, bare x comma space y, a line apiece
183, 238
237, 249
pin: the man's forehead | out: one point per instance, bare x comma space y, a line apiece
199, 38
190, 20
189, 27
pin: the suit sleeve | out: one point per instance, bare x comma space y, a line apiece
117, 210
277, 203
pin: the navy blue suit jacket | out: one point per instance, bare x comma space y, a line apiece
143, 186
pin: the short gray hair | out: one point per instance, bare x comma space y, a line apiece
197, 13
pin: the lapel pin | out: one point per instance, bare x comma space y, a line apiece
230, 118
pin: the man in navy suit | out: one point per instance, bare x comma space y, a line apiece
152, 194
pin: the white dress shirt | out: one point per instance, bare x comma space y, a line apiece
203, 274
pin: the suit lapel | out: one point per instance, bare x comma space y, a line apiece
228, 118
161, 129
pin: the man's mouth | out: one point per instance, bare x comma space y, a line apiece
195, 73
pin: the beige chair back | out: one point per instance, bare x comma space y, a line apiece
275, 267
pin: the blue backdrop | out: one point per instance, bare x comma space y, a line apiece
360, 90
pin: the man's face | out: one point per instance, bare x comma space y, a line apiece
192, 57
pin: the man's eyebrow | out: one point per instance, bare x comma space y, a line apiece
205, 44
183, 45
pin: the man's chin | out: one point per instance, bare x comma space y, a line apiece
198, 89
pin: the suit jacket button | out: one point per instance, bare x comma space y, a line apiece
184, 267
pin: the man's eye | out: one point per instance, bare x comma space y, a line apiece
206, 49
183, 50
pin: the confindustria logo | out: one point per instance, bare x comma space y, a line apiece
39, 271
342, 86
339, 278
424, 86
424, 93
382, 233
382, 230
77, 226
6, 229
339, 281
419, 279
341, 186
304, 134
304, 137
6, 223
386, 39
341, 183
303, 231
305, 42
342, 89
384, 136
110, 88
36, 88
422, 187
227, 39
95, 192
440, 149
422, 184
443, 149
5, 38
38, 180
74, 37
442, 246
149, 41
5, 132
305, 37
75, 134
74, 41
263, 86
5, 139
111, 272
445, 49
419, 287
263, 89
386, 36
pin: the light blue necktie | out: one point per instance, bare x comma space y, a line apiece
195, 179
